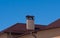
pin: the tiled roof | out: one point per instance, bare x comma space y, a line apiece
54, 24
21, 27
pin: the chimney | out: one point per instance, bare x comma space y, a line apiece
30, 23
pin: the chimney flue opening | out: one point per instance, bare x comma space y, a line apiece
30, 17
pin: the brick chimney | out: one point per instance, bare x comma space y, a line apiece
30, 22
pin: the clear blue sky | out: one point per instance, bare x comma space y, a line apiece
14, 11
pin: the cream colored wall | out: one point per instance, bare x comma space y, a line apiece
27, 36
4, 35
51, 33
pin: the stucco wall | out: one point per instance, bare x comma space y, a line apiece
51, 33
27, 36
4, 35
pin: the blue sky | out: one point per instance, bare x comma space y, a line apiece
14, 11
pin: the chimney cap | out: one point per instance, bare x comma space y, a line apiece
29, 16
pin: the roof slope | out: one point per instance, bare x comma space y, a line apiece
21, 27
54, 24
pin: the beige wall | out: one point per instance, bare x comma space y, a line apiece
51, 33
4, 35
27, 36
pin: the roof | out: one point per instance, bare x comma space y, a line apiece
20, 28
54, 24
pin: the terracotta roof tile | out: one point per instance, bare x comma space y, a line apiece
21, 27
54, 24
